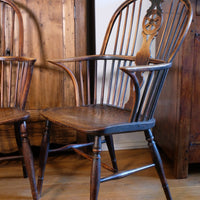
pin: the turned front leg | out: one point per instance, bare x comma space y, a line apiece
28, 159
96, 169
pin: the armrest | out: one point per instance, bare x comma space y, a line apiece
62, 64
73, 78
17, 58
94, 57
143, 68
153, 85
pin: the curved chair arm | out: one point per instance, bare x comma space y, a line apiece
142, 68
17, 58
78, 86
94, 57
146, 97
73, 78
60, 63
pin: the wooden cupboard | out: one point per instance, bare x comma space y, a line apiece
177, 131
52, 29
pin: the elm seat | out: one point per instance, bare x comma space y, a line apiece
88, 119
93, 119
9, 115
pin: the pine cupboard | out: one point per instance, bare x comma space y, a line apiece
177, 130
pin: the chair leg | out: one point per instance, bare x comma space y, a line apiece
19, 144
43, 157
28, 159
158, 163
110, 145
96, 169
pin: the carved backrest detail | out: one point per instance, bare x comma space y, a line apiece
151, 25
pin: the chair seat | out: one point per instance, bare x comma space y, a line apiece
94, 119
8, 115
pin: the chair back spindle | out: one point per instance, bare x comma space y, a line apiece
15, 76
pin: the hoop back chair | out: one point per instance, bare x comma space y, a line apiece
15, 77
127, 82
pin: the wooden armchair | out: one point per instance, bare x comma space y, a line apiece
127, 82
15, 78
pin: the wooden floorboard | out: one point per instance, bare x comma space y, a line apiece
67, 178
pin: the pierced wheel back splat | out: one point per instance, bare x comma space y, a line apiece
151, 25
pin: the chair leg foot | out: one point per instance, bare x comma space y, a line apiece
28, 159
110, 145
96, 169
43, 157
158, 163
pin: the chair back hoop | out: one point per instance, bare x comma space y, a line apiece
11, 24
15, 71
145, 17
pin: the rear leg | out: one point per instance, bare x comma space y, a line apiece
110, 145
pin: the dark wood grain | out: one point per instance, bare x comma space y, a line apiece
12, 115
88, 118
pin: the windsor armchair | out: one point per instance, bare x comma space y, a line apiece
15, 76
126, 87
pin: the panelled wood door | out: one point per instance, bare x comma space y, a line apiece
51, 31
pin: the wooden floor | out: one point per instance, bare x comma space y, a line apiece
67, 178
